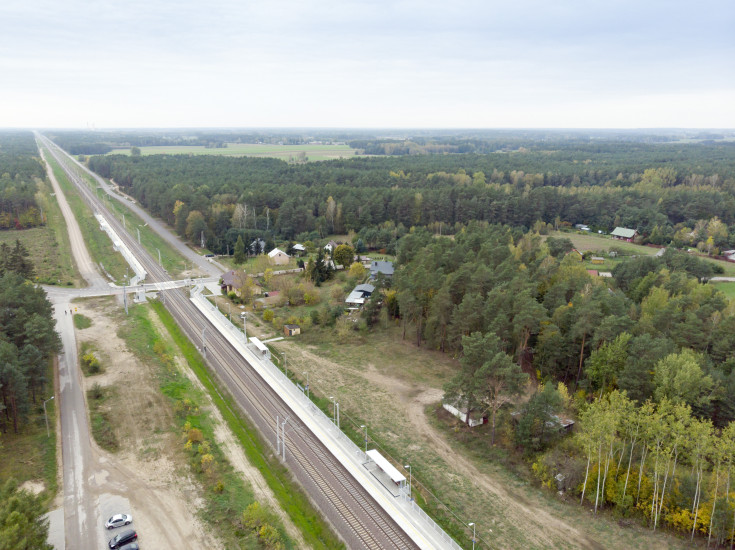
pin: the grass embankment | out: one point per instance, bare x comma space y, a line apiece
30, 455
98, 243
292, 499
171, 260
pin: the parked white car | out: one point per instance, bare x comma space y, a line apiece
118, 520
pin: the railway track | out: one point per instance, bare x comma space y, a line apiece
353, 513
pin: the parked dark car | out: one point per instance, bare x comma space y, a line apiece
131, 546
121, 539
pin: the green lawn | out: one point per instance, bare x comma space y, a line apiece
727, 288
591, 241
284, 152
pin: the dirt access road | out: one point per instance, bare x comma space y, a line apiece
387, 390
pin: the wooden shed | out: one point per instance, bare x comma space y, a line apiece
291, 330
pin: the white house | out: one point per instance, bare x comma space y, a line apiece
278, 257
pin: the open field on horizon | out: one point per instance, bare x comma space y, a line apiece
283, 152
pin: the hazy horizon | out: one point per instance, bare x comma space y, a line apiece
376, 65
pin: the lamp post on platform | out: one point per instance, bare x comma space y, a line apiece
410, 480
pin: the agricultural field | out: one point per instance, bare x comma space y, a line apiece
283, 152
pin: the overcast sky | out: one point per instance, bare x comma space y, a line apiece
344, 63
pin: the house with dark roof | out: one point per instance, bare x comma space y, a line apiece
359, 295
377, 266
231, 280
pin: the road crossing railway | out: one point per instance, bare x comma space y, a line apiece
356, 517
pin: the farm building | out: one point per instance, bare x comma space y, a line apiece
278, 256
299, 249
359, 295
624, 234
597, 260
291, 330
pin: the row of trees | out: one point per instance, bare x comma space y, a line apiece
27, 338
661, 461
19, 171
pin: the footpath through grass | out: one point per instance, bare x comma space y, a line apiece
316, 532
98, 243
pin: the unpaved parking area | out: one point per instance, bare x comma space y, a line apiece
150, 469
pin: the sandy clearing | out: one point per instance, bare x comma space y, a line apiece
164, 500
408, 401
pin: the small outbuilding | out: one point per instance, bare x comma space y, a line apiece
291, 330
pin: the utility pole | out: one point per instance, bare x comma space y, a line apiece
46, 416
125, 226
125, 299
202, 239
283, 439
285, 366
278, 436
159, 258
307, 384
138, 230
366, 439
204, 341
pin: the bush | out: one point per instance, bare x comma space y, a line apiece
97, 392
268, 315
91, 364
195, 435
